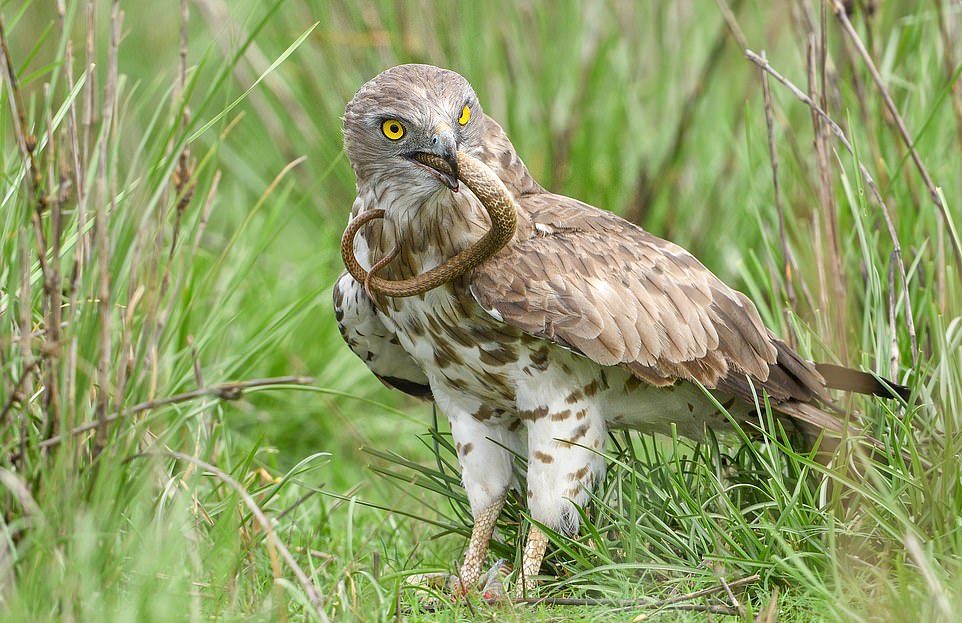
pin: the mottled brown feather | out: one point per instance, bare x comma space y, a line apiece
635, 300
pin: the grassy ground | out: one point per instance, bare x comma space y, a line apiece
170, 223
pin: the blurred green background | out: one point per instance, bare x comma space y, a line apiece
591, 95
648, 109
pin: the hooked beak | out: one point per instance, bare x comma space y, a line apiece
444, 166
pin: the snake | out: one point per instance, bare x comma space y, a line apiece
495, 199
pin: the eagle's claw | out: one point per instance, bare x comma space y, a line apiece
490, 585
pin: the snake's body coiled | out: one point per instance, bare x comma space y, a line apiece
495, 198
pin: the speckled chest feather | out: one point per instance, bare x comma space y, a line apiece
459, 345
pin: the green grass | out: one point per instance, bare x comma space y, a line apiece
360, 485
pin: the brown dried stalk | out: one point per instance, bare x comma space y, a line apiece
17, 394
826, 196
787, 262
869, 182
89, 99
100, 228
225, 391
25, 141
33, 180
183, 174
903, 132
732, 23
26, 348
52, 285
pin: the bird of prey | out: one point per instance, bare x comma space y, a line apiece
541, 341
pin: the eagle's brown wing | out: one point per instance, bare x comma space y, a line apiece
605, 288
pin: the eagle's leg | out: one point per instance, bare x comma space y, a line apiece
483, 443
566, 434
481, 533
534, 549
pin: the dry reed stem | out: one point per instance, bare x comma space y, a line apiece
225, 391
90, 99
25, 141
903, 132
52, 280
16, 394
33, 180
184, 186
100, 229
183, 173
787, 261
815, 60
73, 137
736, 31
75, 158
866, 176
14, 483
731, 597
732, 23
26, 348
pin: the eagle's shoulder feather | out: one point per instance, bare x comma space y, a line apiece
602, 286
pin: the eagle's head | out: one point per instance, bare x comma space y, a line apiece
406, 110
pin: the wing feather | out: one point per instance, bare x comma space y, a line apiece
611, 291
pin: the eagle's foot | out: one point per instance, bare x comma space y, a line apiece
446, 583
492, 583
488, 586
525, 584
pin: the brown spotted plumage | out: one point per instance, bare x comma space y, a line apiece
583, 322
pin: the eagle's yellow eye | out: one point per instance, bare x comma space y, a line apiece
393, 129
465, 116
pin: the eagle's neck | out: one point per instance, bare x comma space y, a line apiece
432, 225
427, 229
